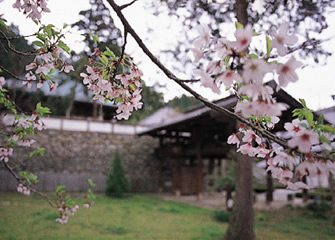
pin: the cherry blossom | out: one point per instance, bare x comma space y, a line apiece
233, 139
243, 38
207, 81
304, 140
255, 90
282, 38
197, 54
287, 72
295, 128
254, 70
204, 37
250, 135
283, 159
23, 189
4, 153
228, 77
2, 82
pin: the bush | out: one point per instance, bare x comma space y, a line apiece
117, 184
319, 208
222, 216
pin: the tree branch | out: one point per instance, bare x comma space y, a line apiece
127, 5
18, 179
169, 74
11, 47
179, 81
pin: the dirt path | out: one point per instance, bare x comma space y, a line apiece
216, 200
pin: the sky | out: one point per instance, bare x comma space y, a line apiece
316, 83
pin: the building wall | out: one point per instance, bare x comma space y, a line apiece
72, 157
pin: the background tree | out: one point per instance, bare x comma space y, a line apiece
117, 184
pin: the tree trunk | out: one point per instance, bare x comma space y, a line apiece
242, 218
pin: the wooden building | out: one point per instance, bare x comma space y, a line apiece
194, 143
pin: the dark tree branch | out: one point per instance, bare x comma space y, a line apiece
13, 75
11, 47
263, 132
179, 81
18, 179
127, 5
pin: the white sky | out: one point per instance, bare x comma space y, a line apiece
316, 84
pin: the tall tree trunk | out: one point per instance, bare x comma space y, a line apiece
241, 226
242, 218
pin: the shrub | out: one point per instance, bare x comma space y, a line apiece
222, 216
117, 184
319, 208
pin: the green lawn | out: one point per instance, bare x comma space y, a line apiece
144, 217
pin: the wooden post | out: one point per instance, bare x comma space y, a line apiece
160, 166
269, 189
199, 180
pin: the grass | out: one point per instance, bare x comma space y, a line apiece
145, 217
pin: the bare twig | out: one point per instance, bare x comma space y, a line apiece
11, 47
122, 53
127, 5
13, 75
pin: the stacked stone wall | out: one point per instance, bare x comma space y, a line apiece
71, 157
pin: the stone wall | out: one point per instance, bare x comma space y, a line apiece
74, 156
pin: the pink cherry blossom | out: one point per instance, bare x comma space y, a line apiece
287, 72
255, 90
282, 38
248, 149
243, 38
221, 48
207, 81
254, 70
304, 140
31, 66
295, 127
67, 68
53, 86
250, 135
2, 82
228, 77
233, 139
125, 78
215, 67
204, 36
197, 54
27, 83
30, 76
283, 159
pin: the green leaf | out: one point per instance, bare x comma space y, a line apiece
303, 102
253, 55
60, 189
268, 46
38, 43
3, 24
63, 46
91, 183
320, 119
327, 128
96, 38
41, 37
103, 59
325, 140
238, 25
309, 117
109, 53
132, 86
